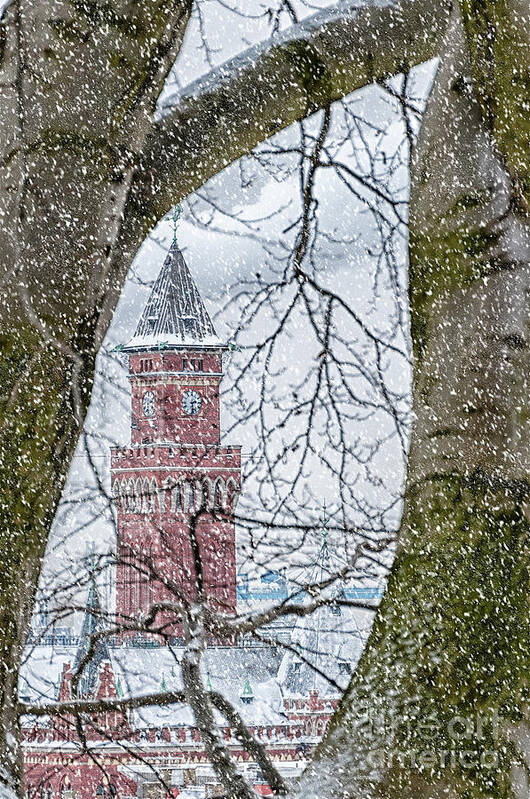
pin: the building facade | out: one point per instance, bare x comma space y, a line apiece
175, 488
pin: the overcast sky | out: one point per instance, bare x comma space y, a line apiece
221, 253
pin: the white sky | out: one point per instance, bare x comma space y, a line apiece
219, 263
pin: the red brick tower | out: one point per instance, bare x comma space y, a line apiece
175, 487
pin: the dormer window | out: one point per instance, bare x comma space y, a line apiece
188, 323
151, 322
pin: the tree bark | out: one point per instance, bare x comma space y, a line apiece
84, 173
438, 706
78, 85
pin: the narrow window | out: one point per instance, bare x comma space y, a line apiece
218, 498
176, 498
191, 498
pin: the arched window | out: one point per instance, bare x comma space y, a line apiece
115, 491
207, 489
138, 496
123, 495
144, 496
199, 495
218, 500
190, 498
232, 494
131, 499
177, 502
153, 493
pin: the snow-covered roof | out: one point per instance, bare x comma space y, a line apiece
41, 669
225, 669
332, 640
332, 637
175, 314
144, 670
252, 678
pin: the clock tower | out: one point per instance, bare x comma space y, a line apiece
175, 486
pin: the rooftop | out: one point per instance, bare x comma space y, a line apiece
175, 314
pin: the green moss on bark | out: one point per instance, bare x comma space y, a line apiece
449, 653
312, 73
38, 433
443, 683
497, 35
445, 259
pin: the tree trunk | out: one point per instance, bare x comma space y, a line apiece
78, 85
438, 707
85, 171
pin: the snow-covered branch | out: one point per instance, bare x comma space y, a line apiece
88, 706
222, 116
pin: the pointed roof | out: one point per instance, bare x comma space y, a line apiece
330, 638
247, 694
92, 623
175, 314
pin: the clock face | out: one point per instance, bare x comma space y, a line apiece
191, 402
148, 403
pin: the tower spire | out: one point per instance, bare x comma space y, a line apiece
92, 624
175, 315
177, 211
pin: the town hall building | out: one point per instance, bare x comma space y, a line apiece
175, 489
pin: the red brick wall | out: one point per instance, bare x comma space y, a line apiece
168, 377
165, 491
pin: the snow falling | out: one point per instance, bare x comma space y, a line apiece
264, 407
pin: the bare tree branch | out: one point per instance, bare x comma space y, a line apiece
220, 117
